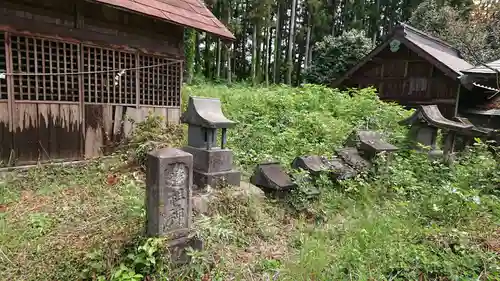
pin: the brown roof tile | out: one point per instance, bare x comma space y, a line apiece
189, 13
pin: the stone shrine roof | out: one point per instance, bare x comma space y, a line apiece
205, 112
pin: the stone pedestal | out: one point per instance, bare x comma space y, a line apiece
213, 167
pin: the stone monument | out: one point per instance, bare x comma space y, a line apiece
212, 164
169, 178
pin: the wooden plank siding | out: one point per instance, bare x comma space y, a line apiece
64, 97
405, 77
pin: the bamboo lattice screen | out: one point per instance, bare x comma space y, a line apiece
59, 71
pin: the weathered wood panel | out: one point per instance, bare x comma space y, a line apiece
5, 134
26, 132
46, 132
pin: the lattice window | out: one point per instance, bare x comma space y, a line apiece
105, 83
51, 70
174, 84
160, 81
43, 69
3, 68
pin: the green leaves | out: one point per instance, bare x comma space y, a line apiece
333, 56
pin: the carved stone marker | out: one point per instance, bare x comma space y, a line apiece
168, 198
168, 192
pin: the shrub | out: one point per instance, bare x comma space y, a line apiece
333, 56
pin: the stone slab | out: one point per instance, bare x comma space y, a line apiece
351, 156
313, 164
202, 179
370, 148
341, 170
169, 179
210, 161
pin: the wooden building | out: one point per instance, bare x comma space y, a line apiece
411, 68
72, 72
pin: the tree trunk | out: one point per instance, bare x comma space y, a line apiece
308, 42
207, 57
229, 46
291, 43
254, 53
229, 70
219, 58
197, 55
277, 46
268, 52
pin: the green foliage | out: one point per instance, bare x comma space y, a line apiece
475, 36
139, 263
189, 52
333, 56
152, 133
281, 123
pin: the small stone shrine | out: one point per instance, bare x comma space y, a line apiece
212, 164
315, 165
369, 143
272, 179
427, 120
362, 146
169, 179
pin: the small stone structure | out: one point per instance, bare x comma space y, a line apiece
362, 146
427, 120
169, 180
212, 164
272, 179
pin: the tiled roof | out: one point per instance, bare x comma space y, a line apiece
481, 69
189, 13
437, 48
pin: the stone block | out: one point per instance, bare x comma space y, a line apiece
341, 170
199, 136
202, 179
169, 178
425, 135
351, 156
210, 161
313, 164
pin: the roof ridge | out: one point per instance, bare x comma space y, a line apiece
430, 37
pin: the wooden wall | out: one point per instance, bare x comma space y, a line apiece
49, 116
408, 79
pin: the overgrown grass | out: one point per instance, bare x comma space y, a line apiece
53, 218
409, 219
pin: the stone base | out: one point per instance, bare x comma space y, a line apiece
202, 179
210, 161
178, 249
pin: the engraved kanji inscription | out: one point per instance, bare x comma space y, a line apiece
175, 214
